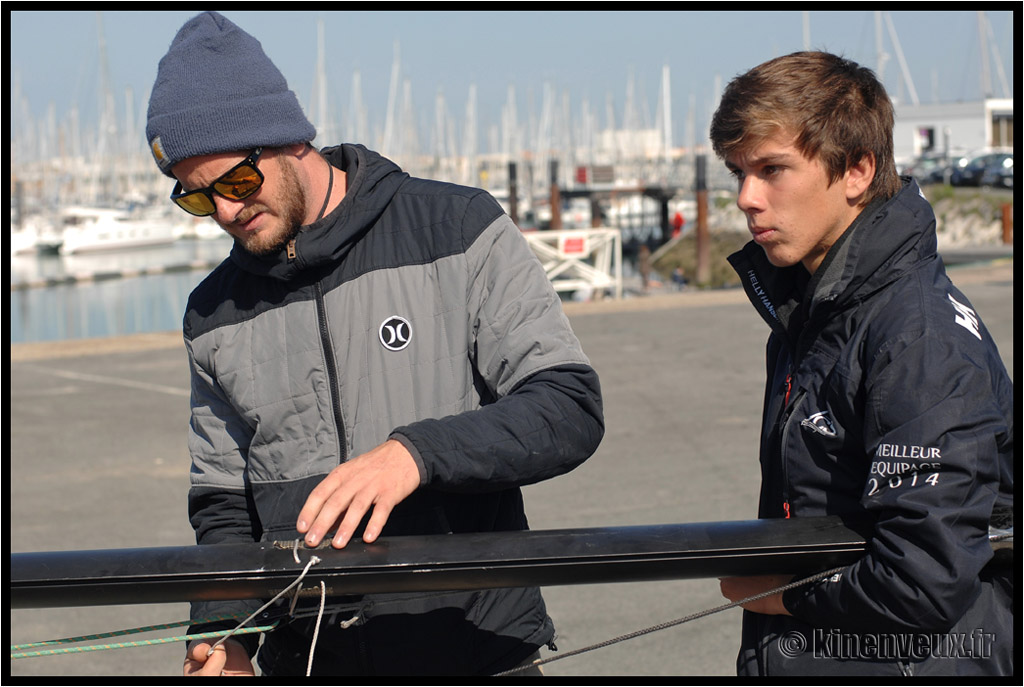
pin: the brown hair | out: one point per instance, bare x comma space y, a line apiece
837, 110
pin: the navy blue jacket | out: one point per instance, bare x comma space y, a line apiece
886, 403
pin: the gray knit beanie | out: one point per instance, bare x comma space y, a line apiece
217, 91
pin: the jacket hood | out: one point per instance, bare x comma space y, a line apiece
887, 240
372, 181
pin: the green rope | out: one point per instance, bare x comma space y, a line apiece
18, 650
119, 633
128, 645
220, 635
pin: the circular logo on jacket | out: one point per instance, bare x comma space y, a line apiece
395, 333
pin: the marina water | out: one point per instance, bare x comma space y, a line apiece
103, 294
134, 291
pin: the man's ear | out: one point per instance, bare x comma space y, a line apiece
858, 178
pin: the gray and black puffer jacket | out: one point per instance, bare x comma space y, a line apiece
416, 311
887, 404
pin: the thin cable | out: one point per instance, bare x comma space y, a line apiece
673, 623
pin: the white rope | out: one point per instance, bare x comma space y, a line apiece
298, 581
316, 628
313, 560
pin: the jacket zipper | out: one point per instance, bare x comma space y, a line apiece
332, 369
797, 353
786, 415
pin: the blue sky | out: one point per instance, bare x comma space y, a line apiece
54, 56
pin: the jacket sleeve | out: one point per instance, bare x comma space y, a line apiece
546, 416
937, 441
219, 506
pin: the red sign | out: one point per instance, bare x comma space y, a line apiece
574, 245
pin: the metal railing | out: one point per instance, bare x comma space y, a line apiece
580, 259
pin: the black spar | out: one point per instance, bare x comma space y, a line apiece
434, 563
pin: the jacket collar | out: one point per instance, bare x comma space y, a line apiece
888, 239
372, 181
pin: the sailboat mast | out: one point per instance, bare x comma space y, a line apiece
325, 134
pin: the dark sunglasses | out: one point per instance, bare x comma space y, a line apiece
239, 182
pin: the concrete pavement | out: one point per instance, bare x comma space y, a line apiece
99, 460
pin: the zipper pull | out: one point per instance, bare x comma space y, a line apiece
789, 387
291, 249
785, 507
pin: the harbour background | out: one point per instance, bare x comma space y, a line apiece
141, 290
57, 297
592, 101
135, 291
620, 122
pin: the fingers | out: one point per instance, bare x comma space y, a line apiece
354, 511
348, 499
334, 496
381, 512
354, 515
379, 480
229, 658
199, 660
739, 588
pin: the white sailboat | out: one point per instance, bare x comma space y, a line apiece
89, 229
37, 234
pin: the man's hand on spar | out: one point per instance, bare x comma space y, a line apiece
380, 479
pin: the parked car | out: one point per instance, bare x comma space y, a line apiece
999, 174
924, 167
970, 174
954, 166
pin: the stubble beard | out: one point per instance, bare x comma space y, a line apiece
293, 212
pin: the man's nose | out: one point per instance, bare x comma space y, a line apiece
227, 208
750, 197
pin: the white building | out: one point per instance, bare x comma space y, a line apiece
956, 127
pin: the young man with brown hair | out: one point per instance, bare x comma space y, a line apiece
886, 401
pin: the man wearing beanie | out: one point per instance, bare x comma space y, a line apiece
380, 355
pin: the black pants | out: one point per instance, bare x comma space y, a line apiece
375, 649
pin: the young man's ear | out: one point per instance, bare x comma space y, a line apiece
859, 177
